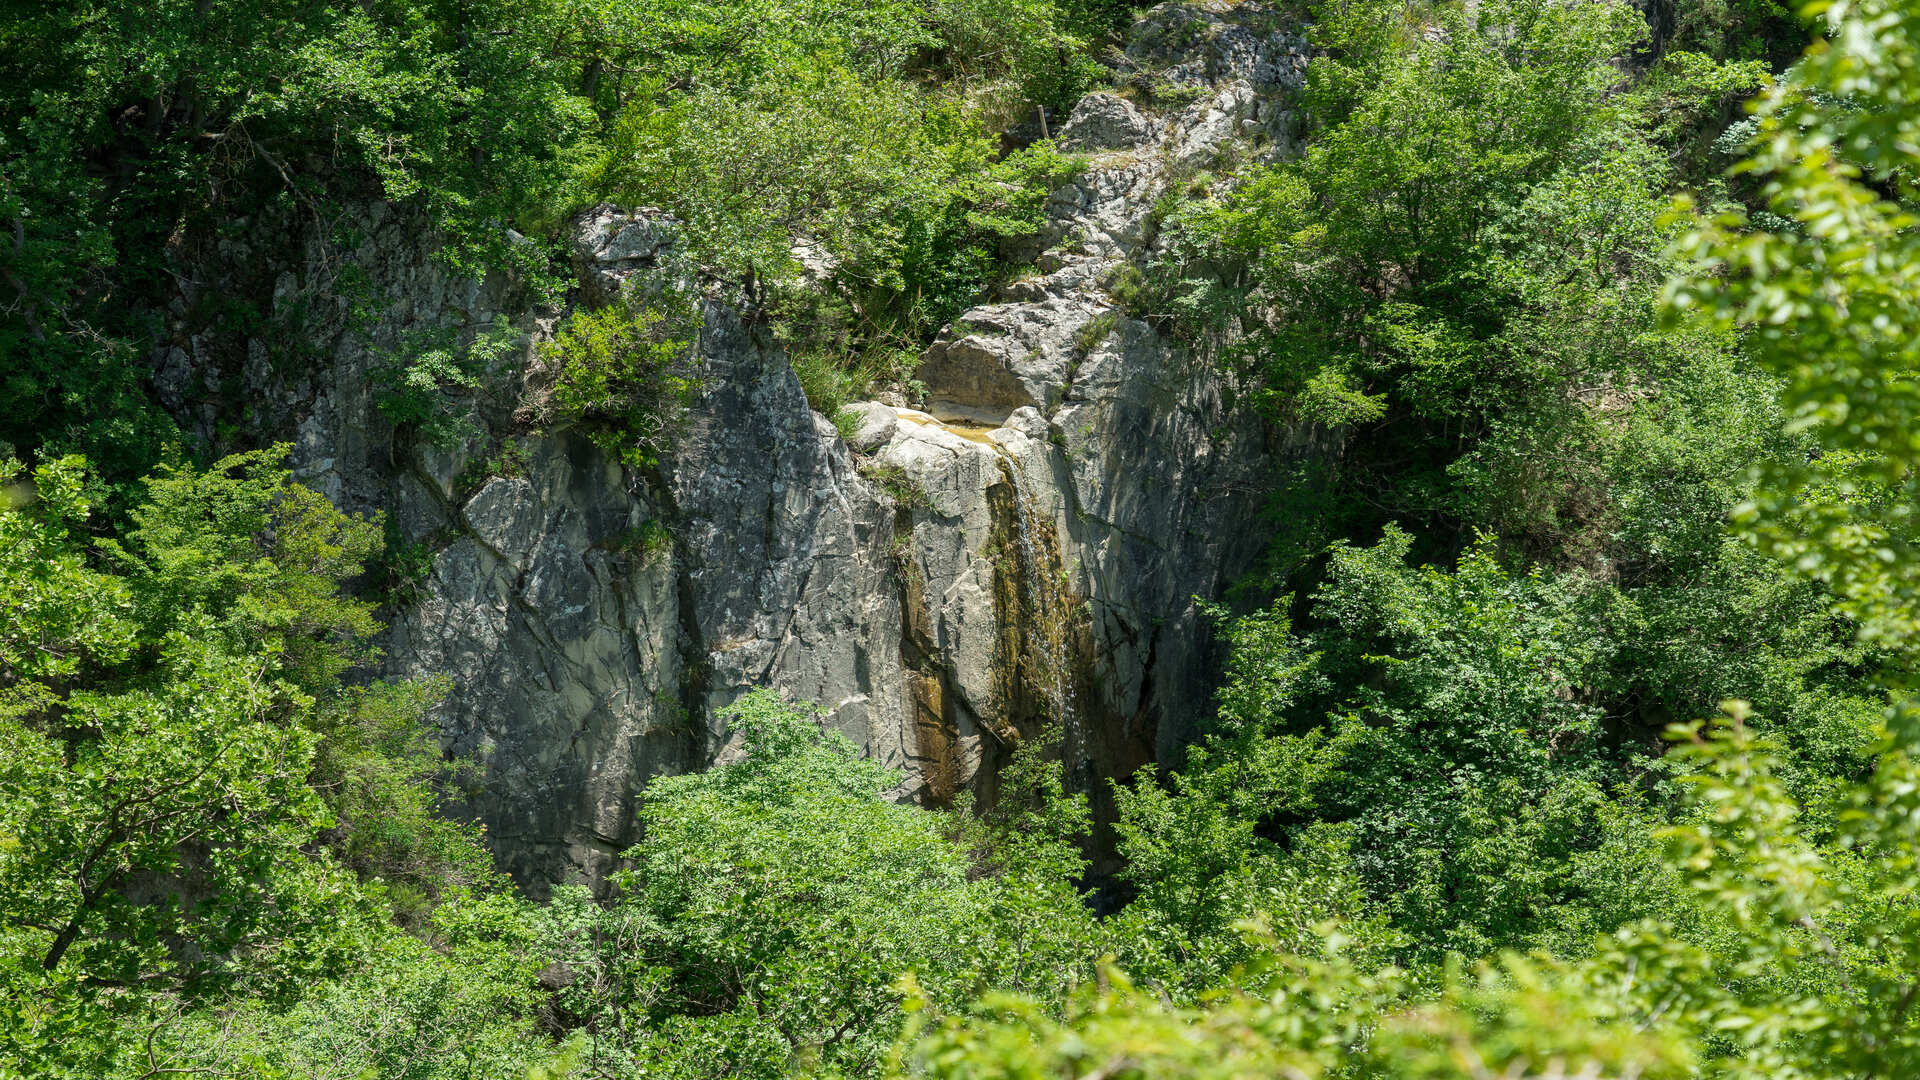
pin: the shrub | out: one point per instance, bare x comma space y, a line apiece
847, 423
828, 386
624, 375
899, 485
412, 387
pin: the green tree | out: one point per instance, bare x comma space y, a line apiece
775, 901
1789, 951
625, 374
460, 1000
1463, 271
1807, 971
1421, 149
128, 135
1824, 285
180, 764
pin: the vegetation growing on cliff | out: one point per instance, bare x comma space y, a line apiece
1460, 814
624, 375
133, 134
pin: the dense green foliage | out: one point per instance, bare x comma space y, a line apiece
413, 388
187, 789
137, 138
1465, 270
623, 375
1825, 278
1458, 814
1774, 936
775, 901
128, 131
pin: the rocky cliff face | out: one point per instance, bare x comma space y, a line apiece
1021, 551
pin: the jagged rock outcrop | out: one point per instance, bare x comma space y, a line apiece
1086, 479
1220, 42
1024, 550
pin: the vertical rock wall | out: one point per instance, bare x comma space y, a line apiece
1023, 551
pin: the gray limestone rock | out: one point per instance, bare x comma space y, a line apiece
1104, 122
613, 246
1211, 123
1206, 42
876, 424
1002, 357
559, 628
1022, 555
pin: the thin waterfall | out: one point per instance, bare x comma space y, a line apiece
1042, 619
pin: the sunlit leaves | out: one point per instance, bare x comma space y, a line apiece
1831, 303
